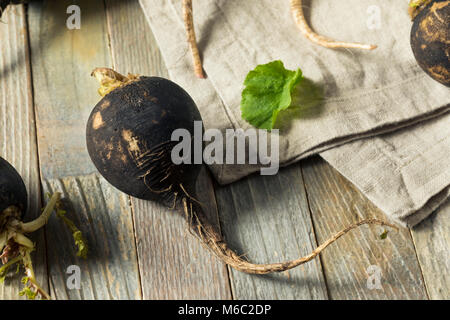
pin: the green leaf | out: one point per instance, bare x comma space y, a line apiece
5, 268
417, 3
384, 235
27, 291
30, 294
80, 241
3, 273
268, 90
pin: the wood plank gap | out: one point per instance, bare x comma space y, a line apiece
432, 240
18, 137
219, 225
135, 246
420, 265
108, 34
313, 223
31, 94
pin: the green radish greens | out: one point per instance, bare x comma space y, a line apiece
271, 88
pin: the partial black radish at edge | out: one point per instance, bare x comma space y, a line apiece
12, 188
430, 40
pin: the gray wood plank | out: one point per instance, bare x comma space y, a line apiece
267, 219
17, 130
104, 216
173, 264
336, 203
432, 241
65, 94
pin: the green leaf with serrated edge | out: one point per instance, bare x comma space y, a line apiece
268, 90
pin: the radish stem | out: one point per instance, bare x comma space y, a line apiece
189, 25
415, 6
297, 12
30, 279
43, 218
5, 267
22, 240
110, 79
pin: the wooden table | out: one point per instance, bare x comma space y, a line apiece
140, 250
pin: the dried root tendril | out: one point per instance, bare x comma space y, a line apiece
192, 41
211, 238
297, 12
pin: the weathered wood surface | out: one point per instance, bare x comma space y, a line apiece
110, 271
336, 203
142, 250
346, 277
267, 218
65, 94
432, 242
173, 264
17, 130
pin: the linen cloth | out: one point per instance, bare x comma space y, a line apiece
384, 123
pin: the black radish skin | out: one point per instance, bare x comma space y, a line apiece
12, 189
128, 138
430, 40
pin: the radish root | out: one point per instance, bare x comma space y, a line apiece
15, 247
297, 12
189, 25
210, 237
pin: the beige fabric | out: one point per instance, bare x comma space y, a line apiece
367, 93
405, 173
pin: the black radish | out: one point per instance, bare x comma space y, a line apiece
129, 140
430, 38
15, 247
12, 189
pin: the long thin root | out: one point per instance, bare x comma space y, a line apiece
189, 25
201, 227
297, 12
